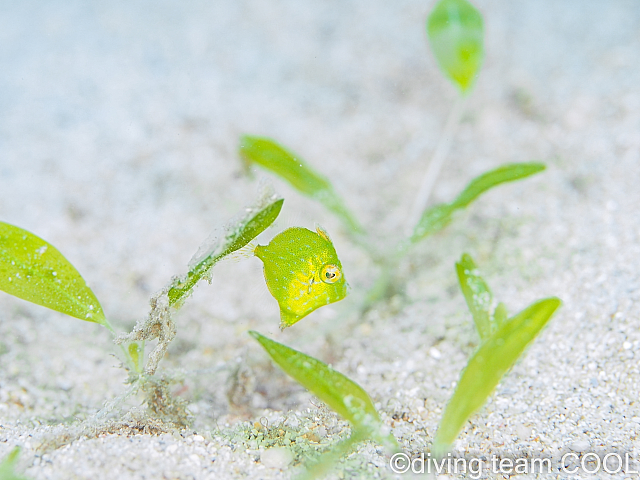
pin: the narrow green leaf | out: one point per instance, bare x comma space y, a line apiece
34, 270
333, 388
254, 226
505, 173
500, 314
487, 366
478, 296
456, 34
272, 156
292, 168
7, 466
328, 460
439, 216
254, 222
136, 355
433, 220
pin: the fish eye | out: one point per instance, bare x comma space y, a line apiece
330, 274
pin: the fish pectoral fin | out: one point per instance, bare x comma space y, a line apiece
310, 285
249, 250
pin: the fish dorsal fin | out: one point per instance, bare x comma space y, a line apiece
323, 233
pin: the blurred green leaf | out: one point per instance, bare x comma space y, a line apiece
34, 270
252, 224
272, 156
433, 220
136, 355
290, 167
7, 466
333, 388
439, 216
500, 314
487, 366
505, 173
478, 296
456, 35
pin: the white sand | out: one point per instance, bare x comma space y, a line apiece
118, 131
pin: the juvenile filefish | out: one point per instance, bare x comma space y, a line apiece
302, 272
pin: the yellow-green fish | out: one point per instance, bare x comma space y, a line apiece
302, 271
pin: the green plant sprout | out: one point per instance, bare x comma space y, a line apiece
236, 239
36, 271
340, 393
160, 325
456, 35
7, 466
300, 175
436, 218
502, 342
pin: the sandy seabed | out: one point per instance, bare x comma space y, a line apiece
119, 125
